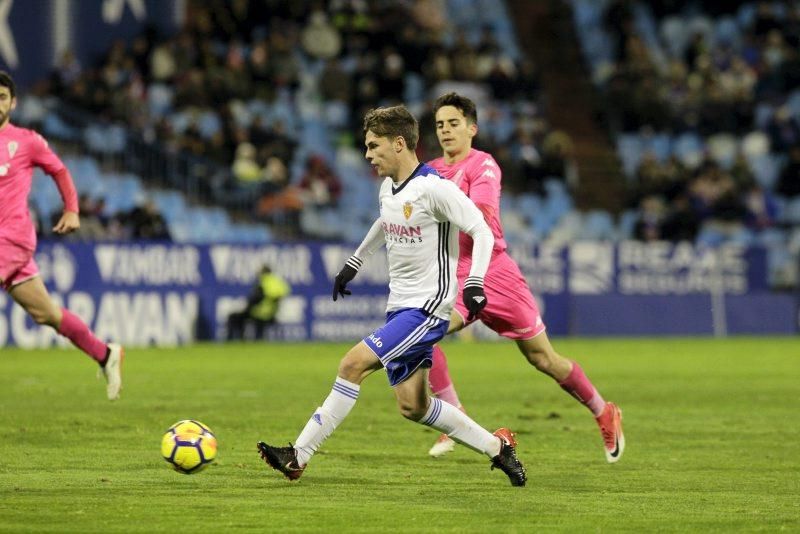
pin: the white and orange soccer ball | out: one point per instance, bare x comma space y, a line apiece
189, 446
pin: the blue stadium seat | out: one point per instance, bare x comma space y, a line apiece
794, 104
629, 148
772, 237
766, 168
597, 225
675, 34
44, 194
159, 99
726, 31
659, 144
626, 225
529, 205
171, 204
688, 147
791, 213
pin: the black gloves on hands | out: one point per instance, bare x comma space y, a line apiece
474, 297
344, 277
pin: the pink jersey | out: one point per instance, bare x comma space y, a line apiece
20, 151
479, 176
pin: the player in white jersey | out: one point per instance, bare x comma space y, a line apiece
420, 216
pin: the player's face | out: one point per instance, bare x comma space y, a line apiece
382, 154
453, 131
7, 103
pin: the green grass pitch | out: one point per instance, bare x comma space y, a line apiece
712, 430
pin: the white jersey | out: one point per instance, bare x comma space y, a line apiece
421, 219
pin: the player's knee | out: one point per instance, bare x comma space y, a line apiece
43, 317
352, 368
348, 369
412, 411
543, 361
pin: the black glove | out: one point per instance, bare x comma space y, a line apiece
347, 273
474, 297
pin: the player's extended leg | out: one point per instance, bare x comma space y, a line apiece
442, 386
569, 375
357, 364
32, 295
415, 405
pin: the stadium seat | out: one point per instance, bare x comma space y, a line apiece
567, 229
675, 33
629, 148
688, 147
791, 213
726, 31
627, 222
722, 147
766, 168
597, 226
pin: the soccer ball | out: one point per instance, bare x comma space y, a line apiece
189, 446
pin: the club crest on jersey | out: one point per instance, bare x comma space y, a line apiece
12, 148
407, 209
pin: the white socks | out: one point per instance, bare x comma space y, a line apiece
341, 400
447, 418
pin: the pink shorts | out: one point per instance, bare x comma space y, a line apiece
511, 311
16, 265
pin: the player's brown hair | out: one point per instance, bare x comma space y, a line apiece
461, 103
7, 81
394, 121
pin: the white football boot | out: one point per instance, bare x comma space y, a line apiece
113, 370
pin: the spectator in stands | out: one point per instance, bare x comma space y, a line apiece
557, 158
245, 168
783, 130
650, 219
92, 226
789, 180
761, 209
231, 76
681, 222
147, 222
319, 185
262, 306
320, 38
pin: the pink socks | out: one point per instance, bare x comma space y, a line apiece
577, 385
76, 331
439, 379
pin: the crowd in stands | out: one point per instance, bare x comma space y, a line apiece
704, 100
272, 93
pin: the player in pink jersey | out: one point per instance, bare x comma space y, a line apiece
20, 151
511, 310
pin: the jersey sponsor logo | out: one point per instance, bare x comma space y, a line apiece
407, 209
12, 148
401, 230
376, 340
